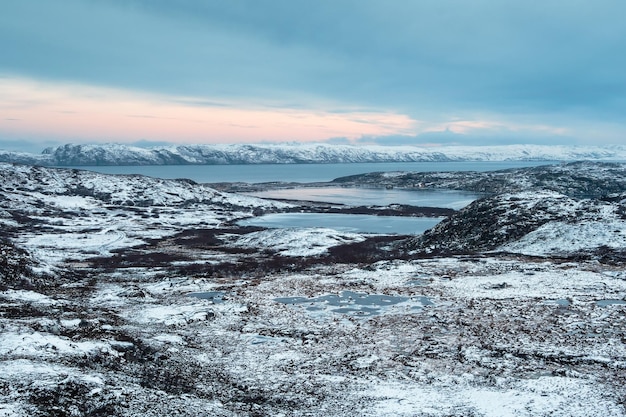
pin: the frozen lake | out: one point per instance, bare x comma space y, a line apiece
374, 196
354, 303
349, 196
356, 223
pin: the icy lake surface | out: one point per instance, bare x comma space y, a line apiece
214, 296
349, 196
356, 223
374, 196
353, 303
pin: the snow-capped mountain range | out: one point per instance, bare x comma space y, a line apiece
118, 154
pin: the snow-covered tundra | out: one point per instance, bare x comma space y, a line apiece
134, 296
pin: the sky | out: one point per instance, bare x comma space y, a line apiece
422, 72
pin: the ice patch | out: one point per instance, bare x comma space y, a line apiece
559, 238
354, 303
28, 296
385, 274
537, 397
171, 339
559, 284
39, 344
22, 368
174, 315
297, 242
53, 248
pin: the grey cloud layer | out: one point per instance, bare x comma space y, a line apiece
417, 57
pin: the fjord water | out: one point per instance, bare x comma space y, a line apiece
299, 172
304, 173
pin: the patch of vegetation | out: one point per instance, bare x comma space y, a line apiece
15, 268
137, 259
209, 238
371, 250
71, 397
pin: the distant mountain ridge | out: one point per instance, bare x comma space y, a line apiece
117, 154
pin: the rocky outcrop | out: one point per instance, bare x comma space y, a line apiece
490, 222
574, 179
15, 267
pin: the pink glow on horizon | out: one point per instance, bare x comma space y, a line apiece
463, 127
42, 110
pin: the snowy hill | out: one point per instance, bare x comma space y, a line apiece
66, 213
115, 154
532, 223
576, 209
575, 179
126, 190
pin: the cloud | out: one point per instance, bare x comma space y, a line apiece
476, 139
555, 62
78, 113
478, 132
30, 146
148, 143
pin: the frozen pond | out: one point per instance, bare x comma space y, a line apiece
214, 296
356, 223
354, 303
606, 303
374, 196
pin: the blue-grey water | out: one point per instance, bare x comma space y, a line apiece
606, 303
356, 223
299, 172
214, 296
374, 196
326, 172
